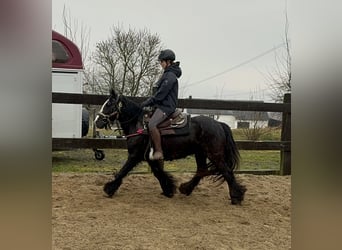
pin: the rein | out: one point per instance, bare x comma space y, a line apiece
108, 116
118, 106
140, 131
128, 121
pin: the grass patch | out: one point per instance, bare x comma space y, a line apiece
268, 134
83, 161
260, 160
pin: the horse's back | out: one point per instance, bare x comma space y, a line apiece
208, 125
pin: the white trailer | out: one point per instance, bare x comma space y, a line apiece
67, 75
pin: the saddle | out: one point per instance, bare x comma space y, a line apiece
177, 123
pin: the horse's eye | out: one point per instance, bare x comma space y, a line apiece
109, 103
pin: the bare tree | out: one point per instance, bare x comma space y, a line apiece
254, 128
253, 123
127, 61
77, 32
279, 80
93, 82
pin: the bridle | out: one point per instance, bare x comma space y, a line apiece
112, 116
107, 118
115, 115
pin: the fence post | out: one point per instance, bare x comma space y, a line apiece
94, 127
285, 154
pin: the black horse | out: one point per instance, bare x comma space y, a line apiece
207, 140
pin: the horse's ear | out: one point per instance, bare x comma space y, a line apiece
112, 93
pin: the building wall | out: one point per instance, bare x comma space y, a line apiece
232, 122
229, 120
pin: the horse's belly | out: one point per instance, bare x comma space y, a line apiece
174, 151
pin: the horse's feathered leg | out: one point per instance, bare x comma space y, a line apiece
166, 181
187, 187
232, 159
111, 187
236, 190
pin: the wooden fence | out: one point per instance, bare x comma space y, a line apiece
284, 145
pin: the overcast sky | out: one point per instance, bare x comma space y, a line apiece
226, 47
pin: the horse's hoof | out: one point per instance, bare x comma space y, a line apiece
108, 190
184, 189
235, 201
108, 194
167, 195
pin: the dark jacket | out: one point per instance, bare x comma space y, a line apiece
166, 95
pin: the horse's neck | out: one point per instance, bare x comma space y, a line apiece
130, 116
128, 128
130, 123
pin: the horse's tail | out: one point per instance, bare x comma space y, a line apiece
232, 152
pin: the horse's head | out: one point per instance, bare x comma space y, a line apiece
109, 111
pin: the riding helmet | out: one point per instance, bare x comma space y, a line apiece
167, 55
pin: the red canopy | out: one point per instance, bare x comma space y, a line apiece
74, 60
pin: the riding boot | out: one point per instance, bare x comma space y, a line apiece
158, 154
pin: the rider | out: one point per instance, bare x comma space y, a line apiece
165, 98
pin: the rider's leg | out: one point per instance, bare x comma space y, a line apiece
156, 118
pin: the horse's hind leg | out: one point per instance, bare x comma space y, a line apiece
166, 181
187, 187
236, 190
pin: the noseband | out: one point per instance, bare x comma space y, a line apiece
112, 116
107, 118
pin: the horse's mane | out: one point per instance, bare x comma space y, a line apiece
131, 108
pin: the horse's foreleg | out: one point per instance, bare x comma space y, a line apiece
166, 181
187, 187
111, 187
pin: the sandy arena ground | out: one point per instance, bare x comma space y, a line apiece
138, 217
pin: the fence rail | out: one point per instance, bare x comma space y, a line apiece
284, 145
183, 103
65, 143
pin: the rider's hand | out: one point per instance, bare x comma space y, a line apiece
145, 103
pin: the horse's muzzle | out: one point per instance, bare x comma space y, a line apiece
101, 122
